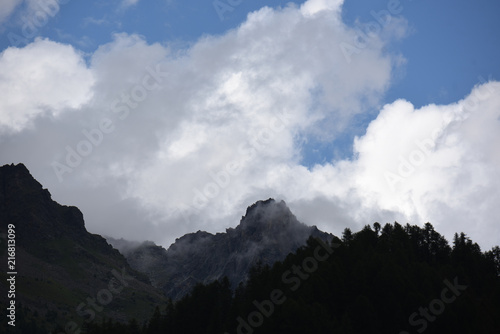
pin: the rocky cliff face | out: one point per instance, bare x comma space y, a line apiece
60, 266
267, 233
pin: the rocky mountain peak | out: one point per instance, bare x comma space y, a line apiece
268, 215
23, 199
267, 233
16, 181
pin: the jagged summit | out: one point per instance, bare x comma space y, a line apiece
267, 233
22, 198
270, 202
21, 177
16, 182
267, 214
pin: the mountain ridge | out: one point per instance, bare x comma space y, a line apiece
267, 233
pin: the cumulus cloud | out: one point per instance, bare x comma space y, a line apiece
44, 78
163, 141
249, 100
432, 164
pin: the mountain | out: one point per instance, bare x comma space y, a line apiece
390, 279
64, 273
55, 275
267, 233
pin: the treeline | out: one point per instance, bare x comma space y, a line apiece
395, 279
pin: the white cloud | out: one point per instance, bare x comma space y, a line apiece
44, 78
313, 7
184, 120
278, 63
244, 97
436, 164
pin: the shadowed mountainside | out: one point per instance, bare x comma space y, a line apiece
59, 264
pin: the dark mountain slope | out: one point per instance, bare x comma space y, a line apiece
60, 266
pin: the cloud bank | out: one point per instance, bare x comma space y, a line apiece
152, 141
44, 78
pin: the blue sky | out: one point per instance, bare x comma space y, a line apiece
449, 47
453, 42
232, 65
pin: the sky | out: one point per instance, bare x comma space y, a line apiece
159, 118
